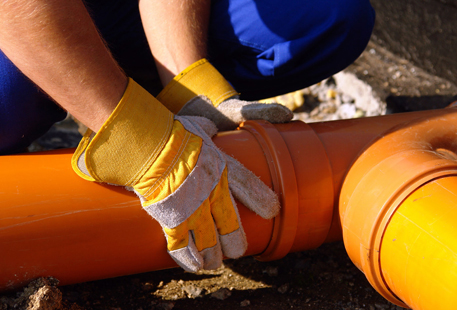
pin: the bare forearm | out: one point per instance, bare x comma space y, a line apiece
176, 32
56, 44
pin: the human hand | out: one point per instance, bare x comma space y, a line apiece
201, 90
183, 180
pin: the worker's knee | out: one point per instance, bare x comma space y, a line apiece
279, 46
25, 112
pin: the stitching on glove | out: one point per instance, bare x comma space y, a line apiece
151, 159
164, 175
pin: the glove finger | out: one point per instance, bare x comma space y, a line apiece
227, 220
205, 236
239, 111
273, 112
194, 239
212, 257
248, 189
202, 106
188, 257
192, 260
235, 244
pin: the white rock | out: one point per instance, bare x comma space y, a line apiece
365, 99
347, 110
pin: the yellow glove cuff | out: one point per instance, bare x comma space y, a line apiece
128, 142
200, 78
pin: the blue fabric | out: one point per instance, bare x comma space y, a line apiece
262, 47
25, 112
270, 47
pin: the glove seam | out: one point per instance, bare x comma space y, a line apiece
151, 159
162, 178
216, 102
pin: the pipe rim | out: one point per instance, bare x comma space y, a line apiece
284, 184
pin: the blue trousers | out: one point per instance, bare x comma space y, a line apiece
262, 47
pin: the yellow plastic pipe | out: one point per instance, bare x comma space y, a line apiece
419, 248
346, 179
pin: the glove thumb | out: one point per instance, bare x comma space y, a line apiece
248, 189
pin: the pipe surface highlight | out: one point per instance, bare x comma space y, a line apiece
419, 247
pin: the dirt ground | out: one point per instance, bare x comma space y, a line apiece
318, 279
421, 31
323, 278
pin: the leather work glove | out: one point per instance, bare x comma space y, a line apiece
183, 180
201, 90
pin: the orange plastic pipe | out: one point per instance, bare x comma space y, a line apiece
54, 224
398, 208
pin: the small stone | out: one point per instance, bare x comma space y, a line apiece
271, 271
147, 286
192, 291
41, 294
298, 98
328, 109
221, 294
347, 110
245, 303
359, 113
314, 112
331, 94
345, 98
286, 100
283, 288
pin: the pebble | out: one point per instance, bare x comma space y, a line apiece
347, 110
245, 303
283, 288
271, 271
221, 294
147, 286
192, 291
342, 96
